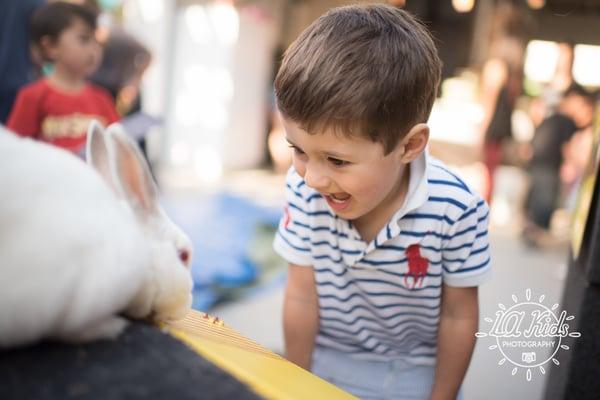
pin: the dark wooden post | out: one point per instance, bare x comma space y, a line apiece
577, 377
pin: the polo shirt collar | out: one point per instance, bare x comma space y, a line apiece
418, 191
416, 195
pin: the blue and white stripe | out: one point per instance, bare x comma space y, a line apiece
366, 306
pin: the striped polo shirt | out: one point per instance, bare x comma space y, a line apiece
381, 300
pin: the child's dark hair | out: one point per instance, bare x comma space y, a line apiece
576, 89
368, 70
53, 18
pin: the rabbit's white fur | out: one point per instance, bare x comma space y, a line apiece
78, 245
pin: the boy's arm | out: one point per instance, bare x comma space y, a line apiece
300, 315
24, 116
459, 318
109, 107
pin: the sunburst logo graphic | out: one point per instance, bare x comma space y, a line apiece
528, 334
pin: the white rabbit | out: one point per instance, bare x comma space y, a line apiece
80, 245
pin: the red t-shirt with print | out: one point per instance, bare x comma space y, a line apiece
61, 118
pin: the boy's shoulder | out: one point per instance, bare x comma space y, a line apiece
35, 87
98, 90
446, 185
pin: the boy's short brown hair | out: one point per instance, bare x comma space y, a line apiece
368, 70
53, 18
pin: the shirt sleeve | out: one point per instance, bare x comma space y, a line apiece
465, 248
292, 240
24, 118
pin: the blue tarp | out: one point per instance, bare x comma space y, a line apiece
221, 227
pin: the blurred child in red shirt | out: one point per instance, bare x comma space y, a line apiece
57, 109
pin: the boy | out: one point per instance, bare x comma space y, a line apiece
57, 109
386, 246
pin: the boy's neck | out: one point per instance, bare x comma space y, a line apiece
65, 80
369, 225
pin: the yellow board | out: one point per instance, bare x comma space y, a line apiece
267, 373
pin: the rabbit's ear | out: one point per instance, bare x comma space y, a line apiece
132, 172
97, 152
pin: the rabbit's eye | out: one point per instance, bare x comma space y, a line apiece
184, 256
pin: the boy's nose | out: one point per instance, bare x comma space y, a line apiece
315, 179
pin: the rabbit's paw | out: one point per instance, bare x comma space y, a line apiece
107, 328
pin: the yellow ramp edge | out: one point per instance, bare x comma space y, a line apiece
265, 372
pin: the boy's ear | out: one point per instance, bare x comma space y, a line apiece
414, 142
46, 47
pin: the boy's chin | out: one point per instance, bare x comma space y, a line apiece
348, 214
88, 72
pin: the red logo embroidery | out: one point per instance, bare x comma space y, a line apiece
417, 266
286, 217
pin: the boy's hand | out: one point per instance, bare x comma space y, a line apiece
459, 318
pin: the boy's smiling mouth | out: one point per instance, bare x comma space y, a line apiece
338, 202
340, 197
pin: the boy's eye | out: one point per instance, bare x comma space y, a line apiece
85, 38
337, 162
296, 150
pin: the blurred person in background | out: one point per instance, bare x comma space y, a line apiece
575, 111
577, 155
562, 79
501, 84
58, 108
16, 65
121, 71
123, 65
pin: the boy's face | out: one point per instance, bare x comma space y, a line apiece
353, 174
76, 49
580, 109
